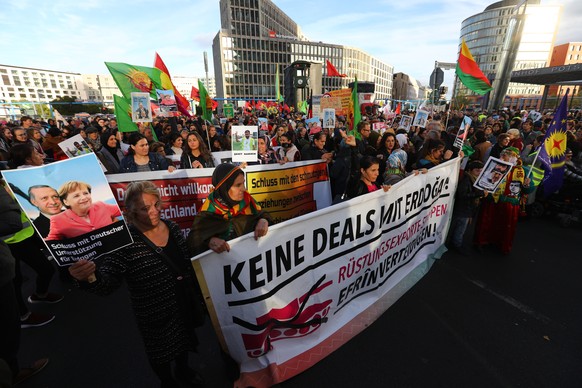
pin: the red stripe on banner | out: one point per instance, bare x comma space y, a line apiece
274, 374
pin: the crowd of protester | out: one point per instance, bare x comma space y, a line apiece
360, 161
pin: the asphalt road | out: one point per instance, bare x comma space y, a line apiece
483, 320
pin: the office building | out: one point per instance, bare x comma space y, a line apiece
485, 34
565, 54
256, 38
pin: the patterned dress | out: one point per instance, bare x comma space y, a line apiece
160, 315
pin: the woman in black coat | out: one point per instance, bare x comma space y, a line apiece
160, 278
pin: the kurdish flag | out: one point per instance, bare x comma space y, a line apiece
131, 78
469, 73
123, 114
553, 150
205, 102
183, 104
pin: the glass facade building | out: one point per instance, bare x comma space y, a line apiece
485, 34
256, 37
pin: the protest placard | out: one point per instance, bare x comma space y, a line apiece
72, 208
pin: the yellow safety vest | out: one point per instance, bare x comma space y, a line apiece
24, 233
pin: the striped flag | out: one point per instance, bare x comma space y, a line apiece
469, 73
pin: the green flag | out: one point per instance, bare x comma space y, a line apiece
278, 96
303, 107
131, 78
123, 115
205, 102
467, 149
356, 115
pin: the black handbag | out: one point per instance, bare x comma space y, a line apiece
187, 289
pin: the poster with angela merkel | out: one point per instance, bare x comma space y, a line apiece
72, 208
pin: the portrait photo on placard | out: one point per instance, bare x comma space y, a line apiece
140, 108
72, 207
494, 171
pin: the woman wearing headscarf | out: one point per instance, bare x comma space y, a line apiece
265, 155
161, 283
110, 153
228, 212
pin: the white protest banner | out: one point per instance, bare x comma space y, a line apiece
285, 301
91, 224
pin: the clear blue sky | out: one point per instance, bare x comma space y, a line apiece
79, 35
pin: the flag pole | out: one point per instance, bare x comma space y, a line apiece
208, 123
541, 145
534, 161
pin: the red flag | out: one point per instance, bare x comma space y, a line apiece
332, 71
261, 105
398, 107
182, 102
195, 94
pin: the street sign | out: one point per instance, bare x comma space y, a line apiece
447, 65
436, 78
228, 110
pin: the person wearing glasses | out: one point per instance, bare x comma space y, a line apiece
19, 135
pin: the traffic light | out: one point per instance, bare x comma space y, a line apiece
442, 91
